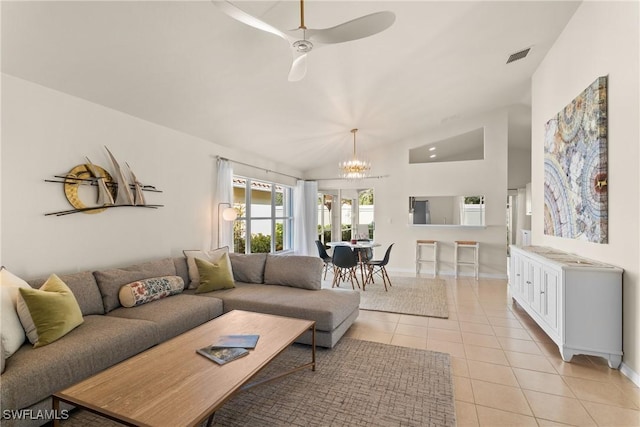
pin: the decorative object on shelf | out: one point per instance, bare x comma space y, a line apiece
575, 168
354, 168
111, 192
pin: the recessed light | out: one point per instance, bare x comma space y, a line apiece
432, 148
432, 156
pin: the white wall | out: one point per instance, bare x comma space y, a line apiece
519, 169
486, 177
601, 39
45, 132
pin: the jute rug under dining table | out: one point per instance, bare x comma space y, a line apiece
358, 383
417, 296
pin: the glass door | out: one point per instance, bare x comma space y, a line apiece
366, 223
345, 214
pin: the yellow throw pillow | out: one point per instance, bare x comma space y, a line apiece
51, 310
214, 277
212, 256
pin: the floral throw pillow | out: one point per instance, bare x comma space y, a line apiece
147, 290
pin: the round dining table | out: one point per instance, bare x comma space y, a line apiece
359, 244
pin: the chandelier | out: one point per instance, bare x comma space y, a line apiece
354, 168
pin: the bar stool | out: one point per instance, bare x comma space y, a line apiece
471, 244
419, 260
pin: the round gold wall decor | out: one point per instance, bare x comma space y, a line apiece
80, 175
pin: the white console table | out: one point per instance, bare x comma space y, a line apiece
576, 301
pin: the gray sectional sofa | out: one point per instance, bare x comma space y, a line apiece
112, 333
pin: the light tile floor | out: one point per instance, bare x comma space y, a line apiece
506, 370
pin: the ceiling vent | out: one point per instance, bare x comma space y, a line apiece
518, 55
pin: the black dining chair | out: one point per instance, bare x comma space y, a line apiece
326, 258
344, 266
381, 270
363, 256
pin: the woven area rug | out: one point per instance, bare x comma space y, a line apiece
358, 383
417, 296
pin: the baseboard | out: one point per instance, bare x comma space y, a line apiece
427, 273
630, 373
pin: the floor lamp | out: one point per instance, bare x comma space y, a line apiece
228, 214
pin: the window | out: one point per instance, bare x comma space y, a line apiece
265, 216
354, 218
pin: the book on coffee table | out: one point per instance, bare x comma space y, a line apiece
233, 341
222, 355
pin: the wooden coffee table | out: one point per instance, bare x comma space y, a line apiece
172, 385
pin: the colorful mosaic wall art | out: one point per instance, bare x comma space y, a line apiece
575, 168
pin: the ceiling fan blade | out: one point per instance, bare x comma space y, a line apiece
298, 67
355, 29
242, 16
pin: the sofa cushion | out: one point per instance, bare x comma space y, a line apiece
110, 281
293, 270
11, 333
214, 276
100, 343
147, 290
212, 256
248, 268
182, 269
84, 288
174, 315
328, 307
49, 313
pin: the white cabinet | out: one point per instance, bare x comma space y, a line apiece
549, 297
576, 301
528, 204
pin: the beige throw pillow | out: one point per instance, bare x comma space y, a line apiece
12, 334
212, 256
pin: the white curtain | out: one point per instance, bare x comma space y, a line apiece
224, 195
305, 220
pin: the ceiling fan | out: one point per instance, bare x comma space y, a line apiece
302, 40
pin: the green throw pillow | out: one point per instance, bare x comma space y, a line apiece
214, 277
53, 310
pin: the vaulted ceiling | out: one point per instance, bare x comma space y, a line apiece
188, 66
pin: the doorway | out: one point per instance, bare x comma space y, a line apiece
518, 220
345, 214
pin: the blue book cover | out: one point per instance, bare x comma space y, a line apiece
236, 341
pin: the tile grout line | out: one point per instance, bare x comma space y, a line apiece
466, 310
